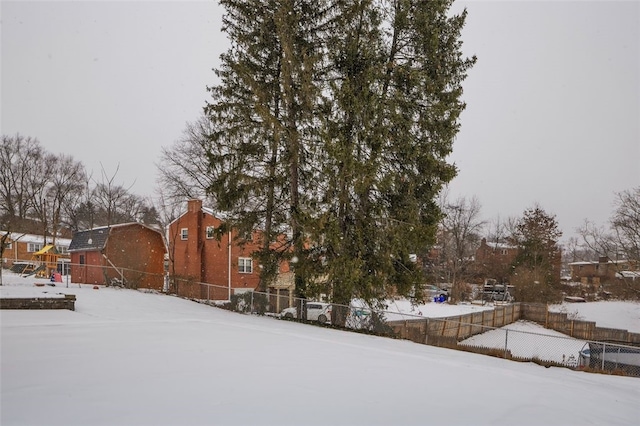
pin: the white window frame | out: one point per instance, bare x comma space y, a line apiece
245, 265
34, 247
184, 234
209, 232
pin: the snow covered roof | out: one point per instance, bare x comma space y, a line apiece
36, 239
596, 262
206, 210
497, 245
628, 274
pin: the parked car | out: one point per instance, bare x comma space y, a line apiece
433, 292
492, 292
316, 311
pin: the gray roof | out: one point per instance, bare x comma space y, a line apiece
90, 240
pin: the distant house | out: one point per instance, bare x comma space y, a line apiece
494, 259
20, 249
201, 252
130, 254
601, 270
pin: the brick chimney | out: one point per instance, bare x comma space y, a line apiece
194, 205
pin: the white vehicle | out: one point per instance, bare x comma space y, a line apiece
316, 311
433, 291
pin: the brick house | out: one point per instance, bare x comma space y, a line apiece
200, 253
128, 253
599, 271
20, 249
494, 260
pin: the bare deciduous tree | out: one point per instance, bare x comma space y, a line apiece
621, 242
184, 168
461, 230
625, 223
58, 185
114, 202
21, 162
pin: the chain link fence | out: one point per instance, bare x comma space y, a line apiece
519, 340
68, 273
508, 336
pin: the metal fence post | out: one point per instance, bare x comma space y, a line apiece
426, 333
251, 302
208, 296
604, 345
506, 342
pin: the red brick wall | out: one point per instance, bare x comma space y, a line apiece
493, 262
18, 252
202, 259
135, 250
139, 251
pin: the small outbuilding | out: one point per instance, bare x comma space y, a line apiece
128, 254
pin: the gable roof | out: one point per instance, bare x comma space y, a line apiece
90, 240
206, 210
36, 239
497, 246
96, 238
51, 249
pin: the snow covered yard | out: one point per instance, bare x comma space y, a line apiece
525, 339
403, 309
608, 314
129, 358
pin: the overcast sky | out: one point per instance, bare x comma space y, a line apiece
553, 103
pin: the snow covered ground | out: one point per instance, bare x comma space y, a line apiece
608, 314
402, 309
525, 339
126, 357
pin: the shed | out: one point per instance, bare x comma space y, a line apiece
128, 254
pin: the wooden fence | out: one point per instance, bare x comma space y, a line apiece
439, 331
584, 330
450, 330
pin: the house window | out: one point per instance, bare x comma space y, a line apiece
82, 259
210, 232
504, 252
62, 249
7, 246
245, 265
33, 247
184, 233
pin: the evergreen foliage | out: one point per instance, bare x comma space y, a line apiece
538, 261
333, 121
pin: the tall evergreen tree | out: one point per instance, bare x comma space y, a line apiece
262, 111
537, 265
395, 83
345, 115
